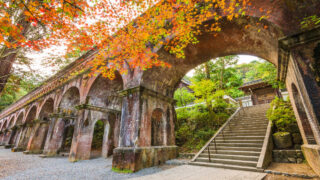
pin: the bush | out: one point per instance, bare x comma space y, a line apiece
282, 116
194, 126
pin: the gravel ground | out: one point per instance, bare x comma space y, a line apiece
20, 166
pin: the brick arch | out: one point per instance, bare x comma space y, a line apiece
11, 121
51, 96
4, 125
46, 108
31, 114
69, 98
20, 117
103, 92
234, 39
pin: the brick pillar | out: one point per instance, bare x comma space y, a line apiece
23, 139
144, 111
1, 138
54, 136
82, 139
37, 139
299, 66
17, 137
9, 139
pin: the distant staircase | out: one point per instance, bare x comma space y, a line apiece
239, 142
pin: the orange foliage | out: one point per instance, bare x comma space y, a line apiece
127, 32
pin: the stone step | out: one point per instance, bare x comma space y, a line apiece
251, 123
247, 124
229, 161
249, 133
244, 130
245, 153
240, 137
226, 166
230, 148
239, 141
239, 145
236, 144
228, 156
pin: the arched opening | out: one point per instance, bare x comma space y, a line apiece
46, 110
13, 131
27, 130
19, 123
302, 115
65, 125
104, 127
97, 139
157, 127
31, 115
40, 135
4, 126
11, 124
67, 138
20, 119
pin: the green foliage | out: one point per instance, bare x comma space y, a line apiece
18, 85
194, 126
98, 135
260, 70
282, 116
310, 22
222, 71
183, 97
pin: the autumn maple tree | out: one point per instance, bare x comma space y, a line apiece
126, 34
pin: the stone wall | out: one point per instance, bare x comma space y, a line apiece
287, 156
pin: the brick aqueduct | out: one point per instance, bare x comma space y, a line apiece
138, 109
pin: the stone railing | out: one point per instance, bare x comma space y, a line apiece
265, 157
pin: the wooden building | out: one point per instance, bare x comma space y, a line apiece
260, 91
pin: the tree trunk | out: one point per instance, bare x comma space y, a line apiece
5, 68
206, 67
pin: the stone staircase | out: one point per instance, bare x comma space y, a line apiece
238, 143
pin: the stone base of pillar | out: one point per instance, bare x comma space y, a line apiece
51, 154
134, 159
8, 146
18, 149
312, 155
33, 152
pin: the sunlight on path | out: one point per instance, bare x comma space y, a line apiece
188, 172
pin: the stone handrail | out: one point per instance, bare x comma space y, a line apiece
266, 152
217, 133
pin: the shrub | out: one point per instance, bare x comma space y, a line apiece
194, 126
282, 116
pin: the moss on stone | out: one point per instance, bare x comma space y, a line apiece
117, 170
281, 133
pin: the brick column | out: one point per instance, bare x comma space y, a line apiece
144, 111
82, 139
299, 66
54, 136
38, 138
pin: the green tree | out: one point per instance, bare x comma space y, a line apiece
223, 73
183, 97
